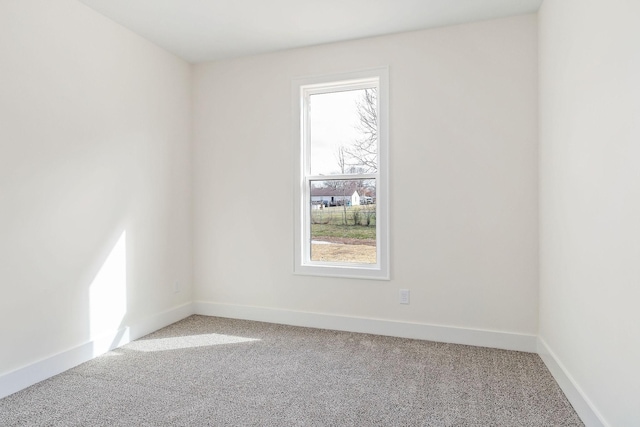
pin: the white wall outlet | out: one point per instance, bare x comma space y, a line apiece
404, 296
176, 287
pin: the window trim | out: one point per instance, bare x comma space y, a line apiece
302, 87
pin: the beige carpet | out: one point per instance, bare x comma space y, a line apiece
207, 371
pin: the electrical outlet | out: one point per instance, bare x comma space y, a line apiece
404, 296
176, 287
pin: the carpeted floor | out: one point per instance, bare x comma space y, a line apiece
208, 371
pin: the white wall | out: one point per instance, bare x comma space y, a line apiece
590, 201
94, 141
95, 130
463, 143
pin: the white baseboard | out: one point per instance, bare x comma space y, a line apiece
31, 374
588, 413
448, 334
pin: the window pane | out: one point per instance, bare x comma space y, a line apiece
343, 221
344, 132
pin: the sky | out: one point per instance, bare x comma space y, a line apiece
334, 120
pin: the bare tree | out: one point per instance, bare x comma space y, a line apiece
341, 158
363, 152
361, 155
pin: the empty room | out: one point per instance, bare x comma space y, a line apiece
347, 213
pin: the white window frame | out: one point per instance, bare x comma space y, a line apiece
301, 90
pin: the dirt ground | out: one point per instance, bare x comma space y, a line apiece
339, 252
348, 241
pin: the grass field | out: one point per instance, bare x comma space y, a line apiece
358, 232
357, 222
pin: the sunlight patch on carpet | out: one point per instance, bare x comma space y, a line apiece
190, 341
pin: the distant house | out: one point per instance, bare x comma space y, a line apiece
335, 197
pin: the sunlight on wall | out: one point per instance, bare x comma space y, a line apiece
191, 341
108, 291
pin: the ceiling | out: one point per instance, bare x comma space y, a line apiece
207, 30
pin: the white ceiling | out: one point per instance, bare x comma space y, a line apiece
206, 30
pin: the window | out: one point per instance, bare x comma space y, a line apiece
341, 189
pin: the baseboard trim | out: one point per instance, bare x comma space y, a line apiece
26, 376
448, 334
588, 413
